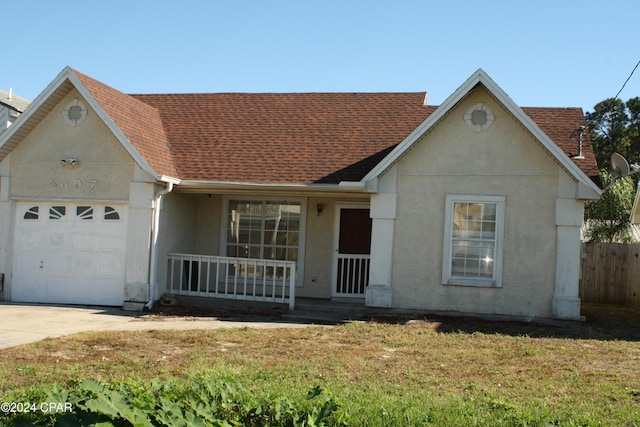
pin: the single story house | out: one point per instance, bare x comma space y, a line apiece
474, 206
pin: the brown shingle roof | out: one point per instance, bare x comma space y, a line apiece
561, 125
141, 124
293, 138
285, 138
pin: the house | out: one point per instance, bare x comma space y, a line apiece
11, 106
473, 206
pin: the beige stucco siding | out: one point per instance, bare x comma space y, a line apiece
105, 170
319, 249
503, 160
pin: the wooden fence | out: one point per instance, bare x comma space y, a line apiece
611, 273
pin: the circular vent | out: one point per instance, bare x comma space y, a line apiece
75, 112
479, 117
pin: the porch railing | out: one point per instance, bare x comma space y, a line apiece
352, 275
232, 278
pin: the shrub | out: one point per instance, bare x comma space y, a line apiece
202, 402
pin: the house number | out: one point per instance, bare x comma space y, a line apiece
73, 183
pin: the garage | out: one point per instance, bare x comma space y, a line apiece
70, 253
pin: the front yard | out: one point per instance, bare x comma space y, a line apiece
386, 371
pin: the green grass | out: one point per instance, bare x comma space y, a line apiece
442, 372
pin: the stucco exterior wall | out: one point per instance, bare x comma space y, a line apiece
180, 230
319, 251
503, 160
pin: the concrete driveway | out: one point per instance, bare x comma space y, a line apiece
26, 323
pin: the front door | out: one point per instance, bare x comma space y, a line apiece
352, 252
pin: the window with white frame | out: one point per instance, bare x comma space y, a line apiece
264, 229
474, 229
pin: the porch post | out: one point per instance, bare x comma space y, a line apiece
383, 214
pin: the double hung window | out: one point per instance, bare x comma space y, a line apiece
473, 240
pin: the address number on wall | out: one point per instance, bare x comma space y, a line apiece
73, 183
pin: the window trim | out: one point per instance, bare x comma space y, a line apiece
447, 277
224, 223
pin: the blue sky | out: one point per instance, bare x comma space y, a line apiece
542, 53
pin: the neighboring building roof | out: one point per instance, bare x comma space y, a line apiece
14, 102
280, 138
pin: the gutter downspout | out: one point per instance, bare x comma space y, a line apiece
155, 227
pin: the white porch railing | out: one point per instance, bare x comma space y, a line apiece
352, 275
232, 278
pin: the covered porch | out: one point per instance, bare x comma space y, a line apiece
265, 248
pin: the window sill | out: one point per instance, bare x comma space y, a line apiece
476, 283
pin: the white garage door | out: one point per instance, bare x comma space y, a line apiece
71, 253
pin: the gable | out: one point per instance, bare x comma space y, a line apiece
453, 149
104, 169
558, 122
135, 125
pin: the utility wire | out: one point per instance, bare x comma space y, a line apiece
628, 78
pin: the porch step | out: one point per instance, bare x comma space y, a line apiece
326, 311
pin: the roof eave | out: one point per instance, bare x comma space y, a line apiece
200, 186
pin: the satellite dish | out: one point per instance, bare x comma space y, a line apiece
620, 165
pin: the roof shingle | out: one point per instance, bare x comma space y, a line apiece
285, 138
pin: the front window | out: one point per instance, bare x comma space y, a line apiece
473, 240
262, 229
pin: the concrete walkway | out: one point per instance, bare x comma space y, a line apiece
26, 323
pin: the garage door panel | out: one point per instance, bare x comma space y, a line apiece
56, 241
109, 264
84, 242
30, 240
68, 254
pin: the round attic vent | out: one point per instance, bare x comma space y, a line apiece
75, 112
479, 117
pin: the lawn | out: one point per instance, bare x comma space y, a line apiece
384, 371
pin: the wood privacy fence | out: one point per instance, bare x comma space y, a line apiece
611, 273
